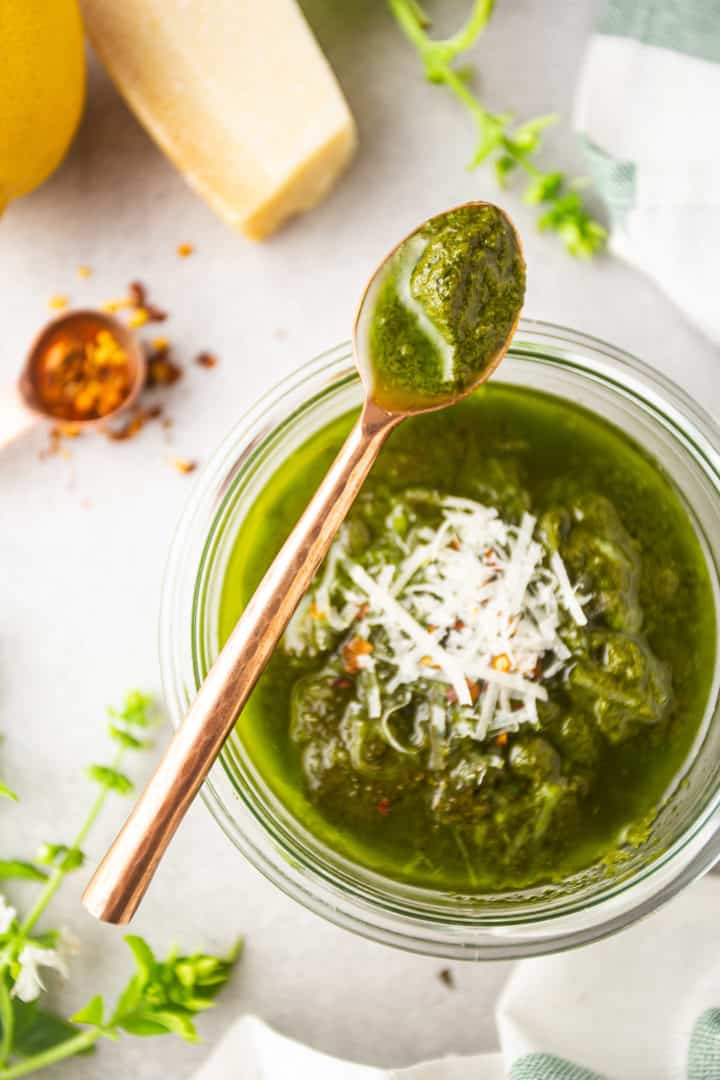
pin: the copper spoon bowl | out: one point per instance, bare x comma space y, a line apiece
119, 883
22, 406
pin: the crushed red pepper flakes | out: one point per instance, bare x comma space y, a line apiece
362, 611
383, 807
341, 683
161, 369
502, 738
137, 294
474, 689
184, 466
206, 360
352, 651
138, 318
427, 661
455, 543
144, 311
458, 625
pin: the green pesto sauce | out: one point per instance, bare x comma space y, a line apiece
445, 307
614, 733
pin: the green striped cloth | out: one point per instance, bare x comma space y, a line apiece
646, 112
703, 1058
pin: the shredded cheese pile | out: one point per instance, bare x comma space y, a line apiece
476, 604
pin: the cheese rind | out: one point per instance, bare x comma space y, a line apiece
237, 94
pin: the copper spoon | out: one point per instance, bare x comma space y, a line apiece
21, 407
119, 883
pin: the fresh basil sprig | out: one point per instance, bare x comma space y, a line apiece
511, 148
161, 997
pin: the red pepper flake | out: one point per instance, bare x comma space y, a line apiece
155, 314
137, 294
341, 683
502, 738
206, 360
383, 807
144, 310
362, 611
352, 651
184, 466
474, 689
458, 625
455, 543
427, 661
161, 370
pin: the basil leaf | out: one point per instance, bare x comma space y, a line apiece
144, 958
111, 779
14, 868
92, 1013
36, 1030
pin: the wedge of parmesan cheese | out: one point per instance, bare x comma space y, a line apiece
238, 95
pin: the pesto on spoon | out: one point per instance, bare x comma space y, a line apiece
437, 316
434, 322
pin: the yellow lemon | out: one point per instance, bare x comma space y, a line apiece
42, 88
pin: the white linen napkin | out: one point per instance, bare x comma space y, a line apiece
624, 1008
646, 110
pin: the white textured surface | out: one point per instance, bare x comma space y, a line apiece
83, 543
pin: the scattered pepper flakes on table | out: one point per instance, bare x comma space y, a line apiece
383, 807
137, 294
184, 466
206, 360
161, 369
138, 318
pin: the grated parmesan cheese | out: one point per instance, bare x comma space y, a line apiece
474, 603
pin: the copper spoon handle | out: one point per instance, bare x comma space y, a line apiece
119, 883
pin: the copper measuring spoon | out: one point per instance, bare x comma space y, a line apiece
21, 406
119, 883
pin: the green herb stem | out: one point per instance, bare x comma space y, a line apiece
7, 1020
59, 873
508, 146
76, 1045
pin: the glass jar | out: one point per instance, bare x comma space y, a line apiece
685, 838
